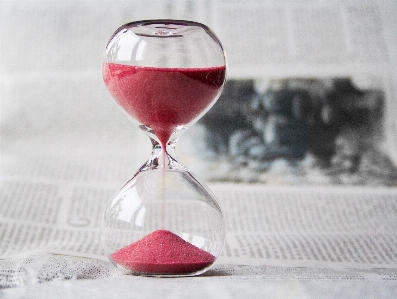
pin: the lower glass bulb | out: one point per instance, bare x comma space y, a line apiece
163, 223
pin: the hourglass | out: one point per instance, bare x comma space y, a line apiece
165, 74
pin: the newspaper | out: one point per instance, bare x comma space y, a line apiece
327, 231
60, 168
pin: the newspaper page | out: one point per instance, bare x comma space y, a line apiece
355, 226
267, 227
55, 184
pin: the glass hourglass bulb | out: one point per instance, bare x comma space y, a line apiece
165, 74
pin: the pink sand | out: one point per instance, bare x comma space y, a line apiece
163, 252
163, 98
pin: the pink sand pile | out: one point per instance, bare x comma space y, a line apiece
163, 252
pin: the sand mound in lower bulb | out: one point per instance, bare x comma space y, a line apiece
162, 252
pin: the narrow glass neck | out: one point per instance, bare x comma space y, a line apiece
163, 159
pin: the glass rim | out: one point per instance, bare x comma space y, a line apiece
145, 22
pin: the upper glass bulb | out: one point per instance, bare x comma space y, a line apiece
165, 74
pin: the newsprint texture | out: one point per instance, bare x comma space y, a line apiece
300, 150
